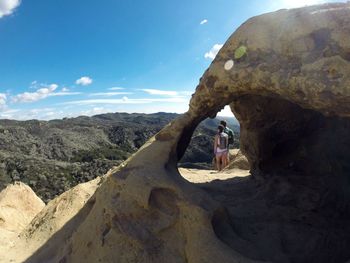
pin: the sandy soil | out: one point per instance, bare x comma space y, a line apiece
204, 176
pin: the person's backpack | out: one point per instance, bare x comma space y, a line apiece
223, 140
229, 132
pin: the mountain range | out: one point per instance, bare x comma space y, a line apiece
53, 156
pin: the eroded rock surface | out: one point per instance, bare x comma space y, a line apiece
286, 77
237, 160
50, 225
18, 206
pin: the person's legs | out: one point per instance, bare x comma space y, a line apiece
218, 157
224, 160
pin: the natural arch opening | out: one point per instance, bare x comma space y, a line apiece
199, 152
294, 206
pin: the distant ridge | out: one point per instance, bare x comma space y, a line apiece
53, 156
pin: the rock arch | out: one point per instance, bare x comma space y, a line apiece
286, 77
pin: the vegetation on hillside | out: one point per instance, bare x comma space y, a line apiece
53, 156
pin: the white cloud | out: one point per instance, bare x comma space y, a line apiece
65, 89
213, 51
204, 21
94, 111
160, 92
8, 114
49, 114
45, 110
116, 88
8, 6
36, 85
93, 107
64, 93
3, 99
124, 100
35, 96
186, 93
40, 94
21, 114
41, 114
84, 81
110, 93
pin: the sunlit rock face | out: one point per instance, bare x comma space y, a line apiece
289, 87
286, 77
300, 55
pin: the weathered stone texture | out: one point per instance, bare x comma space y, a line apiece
290, 89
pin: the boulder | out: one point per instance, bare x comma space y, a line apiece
238, 160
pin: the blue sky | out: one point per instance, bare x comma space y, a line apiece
63, 58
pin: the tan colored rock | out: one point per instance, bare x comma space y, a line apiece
289, 88
18, 206
206, 176
300, 55
238, 160
56, 221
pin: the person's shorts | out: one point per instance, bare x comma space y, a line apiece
219, 154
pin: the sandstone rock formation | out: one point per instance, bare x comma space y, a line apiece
238, 160
18, 206
286, 78
55, 222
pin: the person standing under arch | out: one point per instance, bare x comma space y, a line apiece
221, 148
230, 135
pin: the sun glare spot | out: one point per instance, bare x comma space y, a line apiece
229, 64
